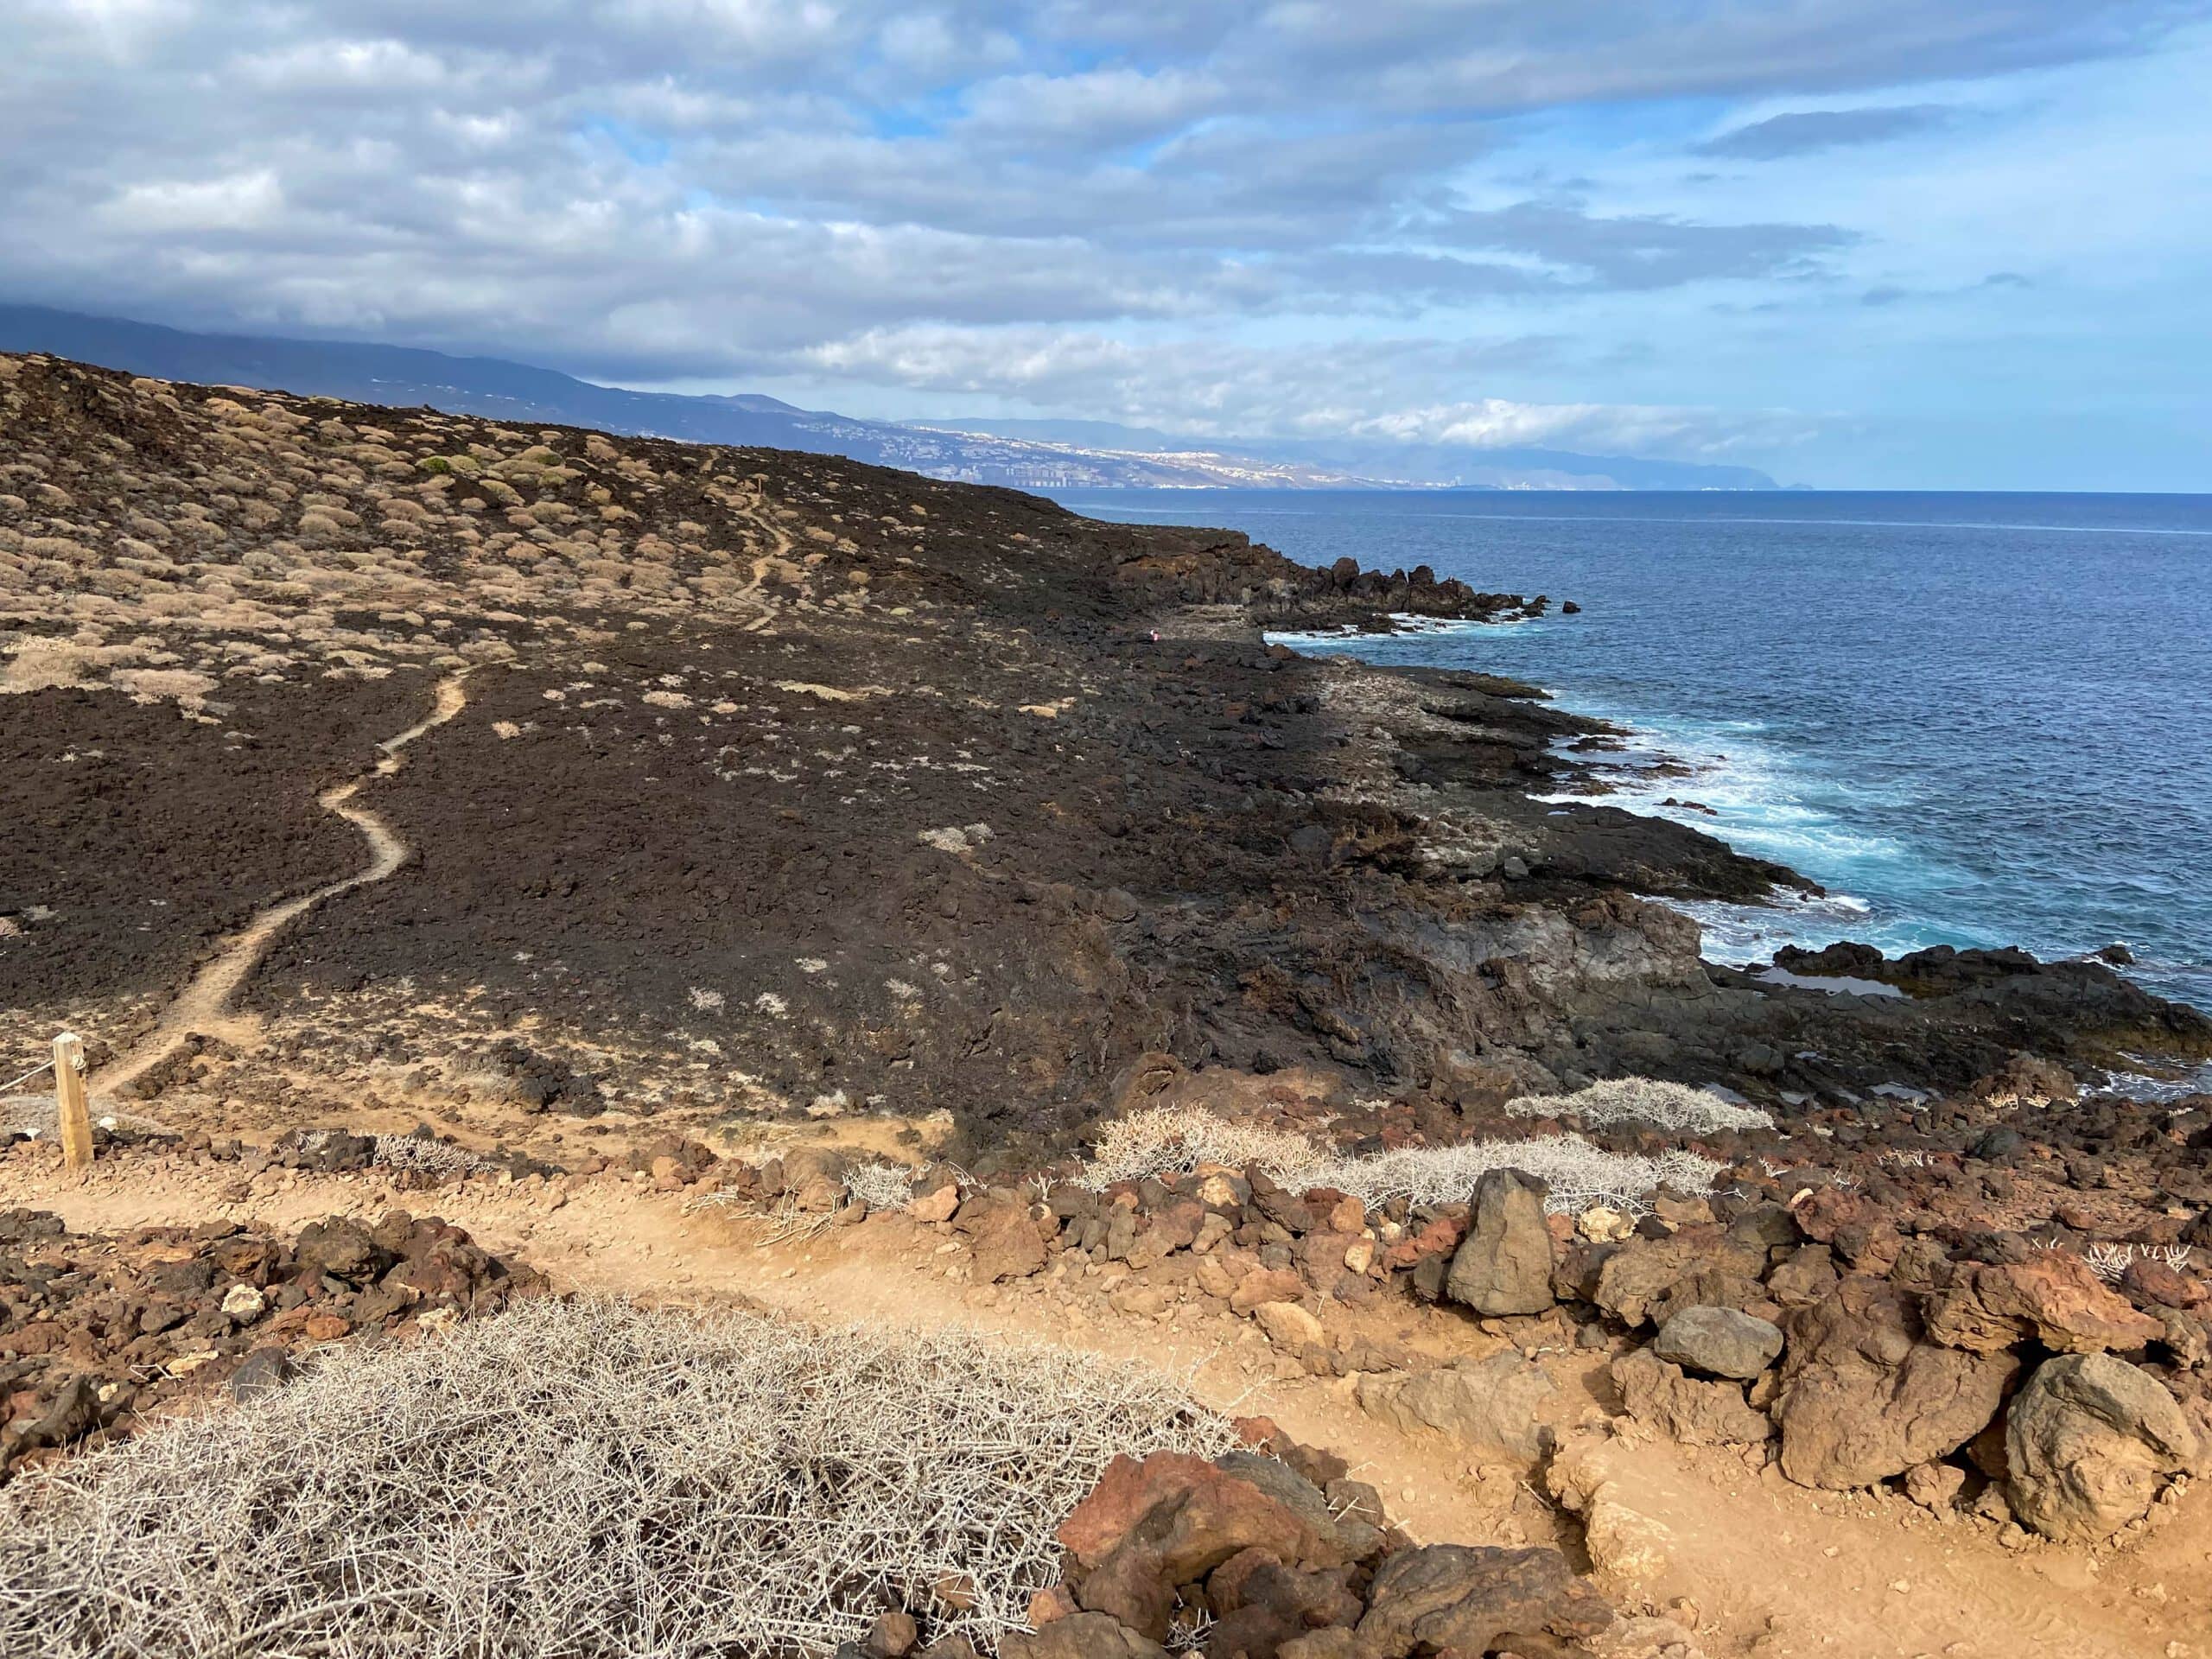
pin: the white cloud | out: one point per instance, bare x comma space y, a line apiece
1197, 214
240, 201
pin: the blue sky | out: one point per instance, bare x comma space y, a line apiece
1857, 243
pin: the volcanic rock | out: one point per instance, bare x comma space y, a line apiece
1081, 1636
1865, 1397
1289, 1327
2090, 1440
1473, 1600
1719, 1342
1005, 1239
2054, 1297
1505, 1265
1496, 1403
1686, 1408
1647, 1279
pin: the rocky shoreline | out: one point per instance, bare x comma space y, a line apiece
788, 791
789, 784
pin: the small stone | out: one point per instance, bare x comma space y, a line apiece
933, 1207
1602, 1225
892, 1636
1935, 1486
243, 1303
1719, 1342
1289, 1327
1046, 1605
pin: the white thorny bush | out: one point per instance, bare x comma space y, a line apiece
1166, 1140
585, 1480
1672, 1107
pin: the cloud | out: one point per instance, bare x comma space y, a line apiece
1807, 131
1220, 391
1637, 250
1199, 212
1111, 106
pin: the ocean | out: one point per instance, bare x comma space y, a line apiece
1975, 719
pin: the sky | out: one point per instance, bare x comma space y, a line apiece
1860, 243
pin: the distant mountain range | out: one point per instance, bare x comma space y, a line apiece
1033, 455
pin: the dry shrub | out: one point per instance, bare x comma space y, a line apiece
880, 1185
163, 685
588, 1480
1674, 1107
1178, 1139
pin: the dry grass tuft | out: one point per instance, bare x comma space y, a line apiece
880, 1185
585, 1480
1180, 1139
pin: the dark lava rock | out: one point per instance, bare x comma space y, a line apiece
1998, 1144
1865, 1396
1504, 1264
1719, 1342
1470, 1600
263, 1371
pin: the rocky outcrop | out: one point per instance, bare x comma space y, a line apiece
1657, 1395
97, 1333
1865, 1396
1498, 1402
1457, 1599
1646, 1281
1284, 1558
1006, 1241
2090, 1441
2053, 1298
1082, 1636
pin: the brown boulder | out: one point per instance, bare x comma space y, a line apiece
2054, 1298
1005, 1239
1131, 1586
939, 1205
1863, 1397
1473, 1600
1505, 1264
340, 1249
2161, 1284
1685, 1408
2090, 1441
1081, 1636
1498, 1401
1192, 1514
813, 1177
1439, 1237
1646, 1278
1266, 1284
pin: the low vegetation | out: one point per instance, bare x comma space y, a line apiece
586, 1479
1178, 1140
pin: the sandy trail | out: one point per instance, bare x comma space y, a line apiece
204, 1003
1773, 1570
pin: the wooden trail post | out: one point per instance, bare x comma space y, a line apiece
69, 1101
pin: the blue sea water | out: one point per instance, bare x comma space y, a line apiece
1974, 719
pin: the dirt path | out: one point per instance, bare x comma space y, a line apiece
203, 1006
1772, 1569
